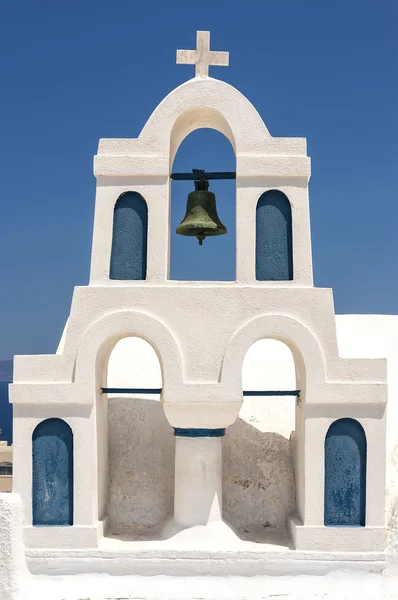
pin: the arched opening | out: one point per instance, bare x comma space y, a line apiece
259, 491
274, 248
52, 473
129, 239
345, 474
215, 260
140, 491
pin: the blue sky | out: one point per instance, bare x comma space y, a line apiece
72, 72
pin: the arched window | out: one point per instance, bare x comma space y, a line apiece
345, 474
52, 473
274, 254
129, 241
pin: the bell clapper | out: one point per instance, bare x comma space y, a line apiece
201, 237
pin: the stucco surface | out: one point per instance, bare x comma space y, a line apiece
201, 333
13, 569
258, 474
374, 336
257, 451
336, 586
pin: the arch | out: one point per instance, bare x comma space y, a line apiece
215, 260
134, 363
345, 474
274, 247
268, 365
201, 103
306, 352
102, 336
129, 238
90, 372
52, 473
193, 119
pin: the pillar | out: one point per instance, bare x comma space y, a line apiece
198, 476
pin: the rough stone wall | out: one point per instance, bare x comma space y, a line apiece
141, 466
141, 445
258, 473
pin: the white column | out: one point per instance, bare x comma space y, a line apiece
198, 487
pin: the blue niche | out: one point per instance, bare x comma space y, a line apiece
52, 473
129, 240
345, 474
274, 254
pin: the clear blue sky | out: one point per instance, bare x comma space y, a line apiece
72, 72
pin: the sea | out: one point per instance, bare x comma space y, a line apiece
6, 377
5, 413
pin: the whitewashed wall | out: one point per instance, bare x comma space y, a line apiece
376, 336
258, 473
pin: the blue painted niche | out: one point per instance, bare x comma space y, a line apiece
129, 239
274, 250
345, 474
52, 473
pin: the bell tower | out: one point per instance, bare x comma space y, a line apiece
200, 332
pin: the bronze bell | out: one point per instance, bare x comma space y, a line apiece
201, 218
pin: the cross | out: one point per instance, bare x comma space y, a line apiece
202, 57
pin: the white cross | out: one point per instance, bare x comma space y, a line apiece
202, 57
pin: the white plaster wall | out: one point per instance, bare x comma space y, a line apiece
258, 472
141, 444
143, 164
376, 336
202, 382
13, 568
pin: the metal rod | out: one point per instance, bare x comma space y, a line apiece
159, 391
131, 390
271, 393
193, 176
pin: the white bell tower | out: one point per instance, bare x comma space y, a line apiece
201, 332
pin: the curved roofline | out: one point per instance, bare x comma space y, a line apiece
205, 102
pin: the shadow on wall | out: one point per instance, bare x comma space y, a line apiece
259, 491
258, 475
141, 468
